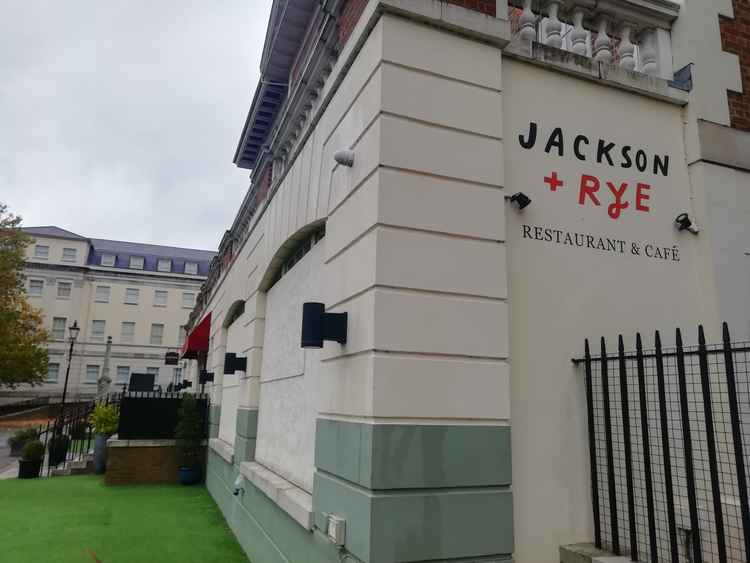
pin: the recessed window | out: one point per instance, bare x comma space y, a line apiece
64, 289
97, 330
164, 265
136, 262
160, 298
188, 299
127, 332
36, 288
92, 374
181, 336
58, 328
123, 374
108, 260
102, 294
69, 255
157, 334
131, 296
177, 375
191, 268
41, 251
155, 372
53, 372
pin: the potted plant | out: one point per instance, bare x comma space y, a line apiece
31, 462
19, 438
104, 421
189, 435
58, 449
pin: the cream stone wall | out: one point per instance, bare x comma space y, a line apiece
82, 307
560, 294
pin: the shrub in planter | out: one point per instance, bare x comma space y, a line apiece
19, 438
104, 421
31, 462
189, 436
58, 449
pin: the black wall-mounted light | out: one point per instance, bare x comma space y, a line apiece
205, 377
685, 223
232, 363
521, 200
186, 383
317, 326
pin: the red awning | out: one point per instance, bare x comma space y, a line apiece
197, 340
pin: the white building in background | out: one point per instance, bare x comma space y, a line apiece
140, 295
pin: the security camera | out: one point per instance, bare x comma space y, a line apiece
684, 223
238, 486
521, 200
344, 158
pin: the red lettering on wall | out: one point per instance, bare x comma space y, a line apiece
641, 196
589, 186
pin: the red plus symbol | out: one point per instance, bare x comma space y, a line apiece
554, 182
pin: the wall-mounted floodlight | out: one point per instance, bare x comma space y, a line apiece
521, 200
232, 363
685, 223
344, 158
317, 326
205, 377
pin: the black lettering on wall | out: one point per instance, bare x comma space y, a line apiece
531, 140
627, 162
577, 147
602, 151
661, 165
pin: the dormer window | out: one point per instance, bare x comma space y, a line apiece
108, 260
164, 265
136, 262
69, 255
191, 268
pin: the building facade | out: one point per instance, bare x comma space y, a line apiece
139, 295
389, 141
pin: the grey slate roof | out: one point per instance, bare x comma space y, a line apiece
52, 231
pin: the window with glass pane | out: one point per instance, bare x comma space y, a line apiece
131, 296
191, 267
108, 260
160, 298
188, 299
102, 293
127, 333
69, 254
41, 251
164, 265
123, 374
181, 335
53, 371
157, 334
63, 289
176, 375
36, 288
136, 262
58, 328
97, 330
92, 374
155, 372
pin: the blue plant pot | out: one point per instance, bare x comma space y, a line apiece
190, 475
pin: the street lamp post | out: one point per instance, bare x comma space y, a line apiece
74, 330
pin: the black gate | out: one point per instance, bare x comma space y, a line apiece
668, 437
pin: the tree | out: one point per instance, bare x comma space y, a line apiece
23, 357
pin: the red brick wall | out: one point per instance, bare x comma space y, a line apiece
353, 9
141, 466
735, 38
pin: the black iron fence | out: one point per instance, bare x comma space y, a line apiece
152, 415
70, 437
668, 437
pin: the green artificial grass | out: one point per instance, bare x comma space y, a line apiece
81, 520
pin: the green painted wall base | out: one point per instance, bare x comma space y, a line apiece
265, 532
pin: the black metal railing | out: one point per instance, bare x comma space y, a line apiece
70, 437
668, 438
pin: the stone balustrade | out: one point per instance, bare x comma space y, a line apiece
634, 34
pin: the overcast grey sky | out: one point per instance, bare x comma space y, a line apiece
119, 118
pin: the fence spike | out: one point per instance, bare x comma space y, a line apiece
625, 404
592, 447
610, 456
